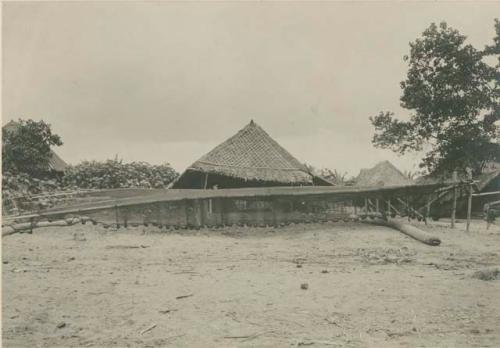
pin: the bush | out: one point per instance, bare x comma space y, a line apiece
17, 190
112, 174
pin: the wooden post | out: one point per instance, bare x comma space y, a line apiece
388, 209
116, 217
198, 216
376, 206
366, 206
454, 206
408, 208
206, 181
428, 209
125, 218
469, 201
274, 205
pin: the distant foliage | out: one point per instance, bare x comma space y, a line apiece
113, 174
411, 175
334, 176
26, 148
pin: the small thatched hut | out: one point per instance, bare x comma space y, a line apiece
382, 174
250, 158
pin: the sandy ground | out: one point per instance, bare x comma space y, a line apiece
85, 286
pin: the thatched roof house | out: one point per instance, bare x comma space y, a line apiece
56, 163
382, 174
250, 158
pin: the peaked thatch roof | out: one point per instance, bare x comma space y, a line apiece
56, 163
251, 155
382, 174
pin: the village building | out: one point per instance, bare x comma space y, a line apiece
382, 174
250, 158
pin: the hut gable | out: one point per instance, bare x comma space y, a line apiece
382, 174
249, 158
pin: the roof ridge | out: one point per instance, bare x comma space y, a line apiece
251, 139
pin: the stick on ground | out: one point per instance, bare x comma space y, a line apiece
148, 329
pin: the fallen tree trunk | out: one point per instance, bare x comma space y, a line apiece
409, 230
20, 227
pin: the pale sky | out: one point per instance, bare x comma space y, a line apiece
167, 81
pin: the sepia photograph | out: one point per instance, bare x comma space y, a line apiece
250, 174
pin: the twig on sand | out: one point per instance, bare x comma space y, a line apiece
250, 337
176, 336
183, 296
148, 329
126, 246
167, 311
310, 343
186, 272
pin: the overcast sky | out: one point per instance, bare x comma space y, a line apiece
166, 82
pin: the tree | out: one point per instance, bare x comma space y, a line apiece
26, 147
454, 98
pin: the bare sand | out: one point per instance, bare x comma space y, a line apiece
367, 286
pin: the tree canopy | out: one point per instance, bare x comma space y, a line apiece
453, 96
26, 147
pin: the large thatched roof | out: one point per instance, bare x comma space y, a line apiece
382, 174
56, 163
250, 156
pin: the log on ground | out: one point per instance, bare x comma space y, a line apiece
24, 226
409, 230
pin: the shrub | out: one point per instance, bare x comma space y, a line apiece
113, 174
18, 189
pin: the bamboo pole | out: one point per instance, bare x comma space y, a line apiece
469, 201
454, 206
485, 193
394, 208
408, 208
370, 205
437, 198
